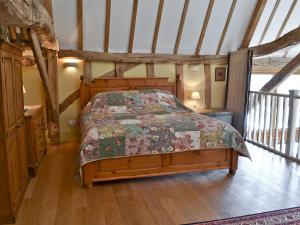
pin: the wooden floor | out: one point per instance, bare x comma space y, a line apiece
269, 182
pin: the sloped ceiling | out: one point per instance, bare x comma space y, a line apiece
65, 20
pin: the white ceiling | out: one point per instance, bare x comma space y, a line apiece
65, 19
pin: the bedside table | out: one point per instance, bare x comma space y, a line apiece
218, 114
36, 137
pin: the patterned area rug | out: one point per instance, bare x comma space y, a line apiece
283, 217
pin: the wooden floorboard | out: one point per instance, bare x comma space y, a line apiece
55, 196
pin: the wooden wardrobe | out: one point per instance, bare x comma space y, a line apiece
13, 153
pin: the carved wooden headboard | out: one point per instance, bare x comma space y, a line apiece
88, 90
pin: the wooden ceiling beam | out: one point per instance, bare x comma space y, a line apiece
157, 25
69, 101
24, 33
30, 14
144, 57
289, 39
259, 8
107, 25
48, 6
282, 75
262, 70
13, 33
79, 25
269, 21
271, 61
132, 27
180, 29
226, 26
204, 27
286, 18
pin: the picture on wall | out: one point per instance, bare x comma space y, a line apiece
220, 74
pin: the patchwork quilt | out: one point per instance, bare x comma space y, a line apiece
150, 121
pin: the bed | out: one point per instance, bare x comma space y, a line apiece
136, 127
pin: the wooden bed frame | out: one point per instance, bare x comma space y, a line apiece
155, 164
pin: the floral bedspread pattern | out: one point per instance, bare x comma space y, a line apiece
126, 123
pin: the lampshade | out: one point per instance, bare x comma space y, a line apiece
24, 90
195, 95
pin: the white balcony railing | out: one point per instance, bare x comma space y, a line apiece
273, 122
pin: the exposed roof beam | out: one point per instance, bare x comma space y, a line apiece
271, 61
48, 6
24, 34
269, 21
29, 14
132, 27
143, 57
226, 26
182, 20
282, 75
287, 40
204, 26
107, 25
259, 8
13, 33
43, 70
257, 69
79, 25
69, 101
157, 25
286, 18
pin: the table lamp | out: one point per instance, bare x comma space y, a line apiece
195, 96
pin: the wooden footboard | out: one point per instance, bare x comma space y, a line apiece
159, 164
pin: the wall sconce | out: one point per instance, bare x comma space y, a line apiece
70, 64
194, 67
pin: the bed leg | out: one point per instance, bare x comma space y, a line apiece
88, 175
233, 162
87, 186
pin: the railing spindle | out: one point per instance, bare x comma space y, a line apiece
271, 120
284, 110
277, 122
260, 100
265, 118
254, 117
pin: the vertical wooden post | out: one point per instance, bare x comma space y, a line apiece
53, 85
150, 69
87, 70
207, 78
179, 82
79, 25
51, 105
293, 112
119, 70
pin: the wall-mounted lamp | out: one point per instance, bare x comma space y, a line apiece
194, 68
70, 64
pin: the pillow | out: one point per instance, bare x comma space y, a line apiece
118, 101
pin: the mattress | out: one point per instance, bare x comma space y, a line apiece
141, 122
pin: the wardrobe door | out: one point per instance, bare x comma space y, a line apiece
8, 91
18, 89
13, 167
22, 153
